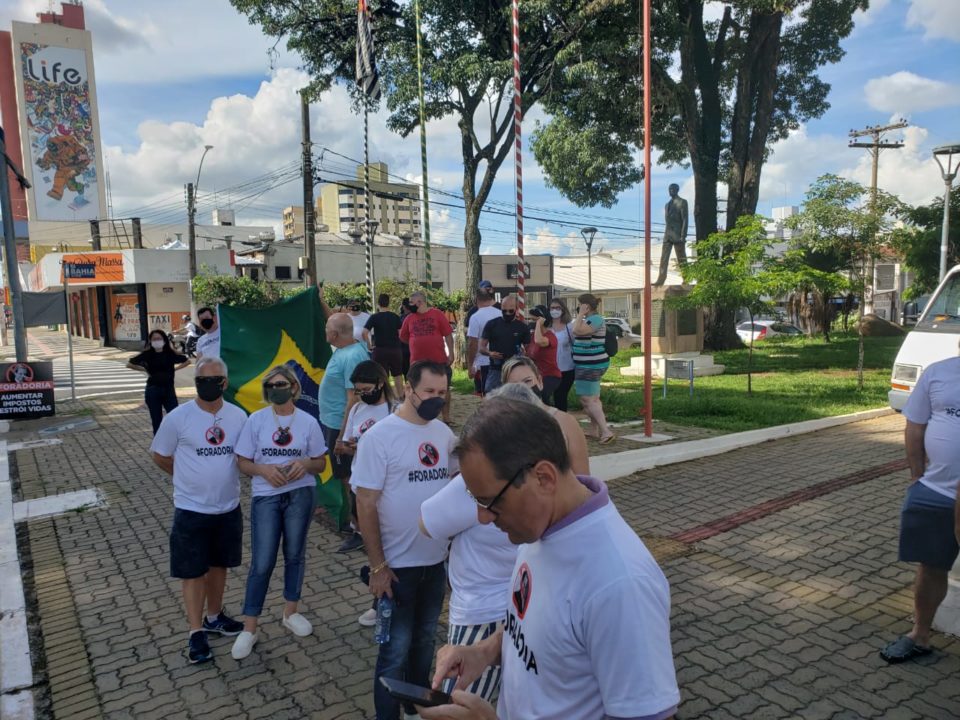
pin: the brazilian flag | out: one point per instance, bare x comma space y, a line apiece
255, 340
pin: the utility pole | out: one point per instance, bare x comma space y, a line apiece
876, 144
10, 249
192, 233
309, 243
588, 233
101, 291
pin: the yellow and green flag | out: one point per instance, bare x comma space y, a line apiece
290, 333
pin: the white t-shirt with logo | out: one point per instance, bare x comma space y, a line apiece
478, 321
935, 402
205, 474
408, 463
362, 417
209, 344
358, 322
269, 439
588, 626
481, 555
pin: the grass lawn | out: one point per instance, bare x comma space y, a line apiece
793, 380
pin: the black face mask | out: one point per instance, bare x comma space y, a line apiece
210, 387
206, 323
508, 316
372, 397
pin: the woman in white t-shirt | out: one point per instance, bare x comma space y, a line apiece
281, 448
372, 387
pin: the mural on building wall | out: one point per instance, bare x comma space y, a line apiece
60, 135
126, 316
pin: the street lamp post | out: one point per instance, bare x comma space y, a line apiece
588, 233
948, 174
192, 190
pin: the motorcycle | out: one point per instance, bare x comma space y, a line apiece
184, 343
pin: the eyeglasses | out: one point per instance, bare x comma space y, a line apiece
277, 385
489, 506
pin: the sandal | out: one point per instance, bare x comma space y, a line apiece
608, 439
903, 649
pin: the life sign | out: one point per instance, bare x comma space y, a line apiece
26, 390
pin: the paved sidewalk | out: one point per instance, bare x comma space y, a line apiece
781, 557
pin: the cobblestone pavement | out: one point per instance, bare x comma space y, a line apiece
781, 557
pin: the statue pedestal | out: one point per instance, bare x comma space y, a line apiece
676, 334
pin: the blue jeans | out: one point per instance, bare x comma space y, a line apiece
408, 656
272, 516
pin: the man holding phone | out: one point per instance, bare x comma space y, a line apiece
403, 460
587, 632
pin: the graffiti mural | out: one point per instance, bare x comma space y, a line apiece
62, 151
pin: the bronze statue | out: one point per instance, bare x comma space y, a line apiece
675, 236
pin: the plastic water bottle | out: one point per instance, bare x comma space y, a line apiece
381, 631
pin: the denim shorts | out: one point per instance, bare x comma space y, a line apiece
927, 528
199, 541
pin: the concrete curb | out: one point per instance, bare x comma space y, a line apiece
617, 465
16, 673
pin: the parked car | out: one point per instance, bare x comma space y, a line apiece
625, 335
761, 329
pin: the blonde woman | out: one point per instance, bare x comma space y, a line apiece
281, 448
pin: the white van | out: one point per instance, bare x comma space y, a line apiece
935, 337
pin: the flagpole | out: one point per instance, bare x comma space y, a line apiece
518, 157
647, 294
366, 193
423, 151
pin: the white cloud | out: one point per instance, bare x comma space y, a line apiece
547, 241
794, 163
905, 92
938, 18
866, 17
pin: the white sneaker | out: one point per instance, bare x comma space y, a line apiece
369, 618
298, 625
243, 645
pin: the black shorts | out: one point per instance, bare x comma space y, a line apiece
339, 464
927, 528
199, 541
390, 359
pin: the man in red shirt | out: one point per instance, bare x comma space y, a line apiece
430, 337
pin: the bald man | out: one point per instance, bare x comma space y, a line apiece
335, 396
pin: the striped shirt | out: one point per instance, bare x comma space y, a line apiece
590, 351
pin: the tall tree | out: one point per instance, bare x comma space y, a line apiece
467, 67
919, 242
744, 81
840, 217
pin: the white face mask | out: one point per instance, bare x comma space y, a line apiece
556, 314
157, 344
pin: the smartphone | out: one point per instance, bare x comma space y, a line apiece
406, 692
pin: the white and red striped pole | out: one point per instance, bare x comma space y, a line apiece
518, 157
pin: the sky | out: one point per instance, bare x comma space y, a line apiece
175, 75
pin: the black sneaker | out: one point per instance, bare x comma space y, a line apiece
198, 649
354, 542
223, 625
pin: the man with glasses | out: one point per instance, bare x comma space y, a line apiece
587, 631
428, 333
402, 461
195, 444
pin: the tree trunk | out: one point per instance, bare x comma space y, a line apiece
752, 113
750, 359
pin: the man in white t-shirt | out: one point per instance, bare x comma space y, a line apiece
587, 633
400, 462
195, 445
486, 311
928, 527
209, 342
359, 319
